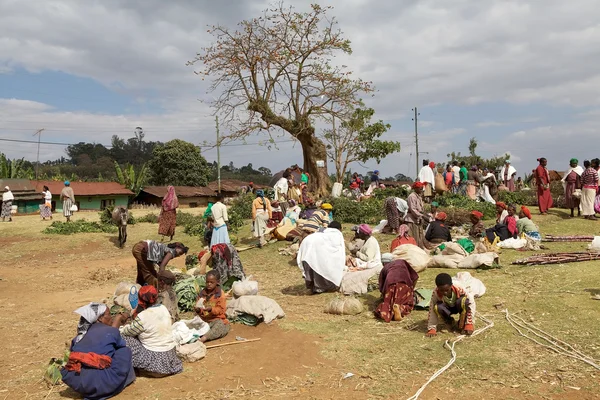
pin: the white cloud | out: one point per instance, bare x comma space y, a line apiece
420, 53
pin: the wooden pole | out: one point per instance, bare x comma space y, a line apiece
214, 346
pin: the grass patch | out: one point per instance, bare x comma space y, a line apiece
79, 226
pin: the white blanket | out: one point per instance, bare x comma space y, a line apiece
511, 172
325, 252
426, 175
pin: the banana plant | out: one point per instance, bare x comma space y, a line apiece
128, 177
11, 169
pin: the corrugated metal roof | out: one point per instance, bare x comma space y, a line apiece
85, 188
231, 185
17, 185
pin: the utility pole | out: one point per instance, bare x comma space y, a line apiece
416, 140
37, 165
218, 155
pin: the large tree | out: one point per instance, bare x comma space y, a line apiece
178, 163
275, 71
495, 163
356, 139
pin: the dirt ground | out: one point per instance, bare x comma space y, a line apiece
43, 278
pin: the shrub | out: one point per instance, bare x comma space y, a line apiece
192, 224
522, 198
383, 194
106, 217
79, 226
149, 218
457, 201
346, 211
240, 210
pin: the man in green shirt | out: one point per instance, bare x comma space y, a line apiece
462, 188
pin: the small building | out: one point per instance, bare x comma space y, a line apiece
188, 196
231, 187
27, 199
94, 196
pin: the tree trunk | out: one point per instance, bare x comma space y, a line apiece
314, 149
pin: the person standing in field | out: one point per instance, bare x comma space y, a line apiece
46, 208
589, 182
415, 217
542, 177
68, 200
572, 185
219, 213
168, 214
7, 200
507, 176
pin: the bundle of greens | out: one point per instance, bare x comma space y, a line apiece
187, 291
79, 226
52, 374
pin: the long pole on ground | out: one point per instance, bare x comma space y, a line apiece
37, 165
218, 155
416, 140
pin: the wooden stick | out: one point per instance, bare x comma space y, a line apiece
230, 343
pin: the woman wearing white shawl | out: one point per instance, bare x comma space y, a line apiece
572, 185
507, 176
322, 258
369, 255
7, 200
89, 315
487, 180
427, 176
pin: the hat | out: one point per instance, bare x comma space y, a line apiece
67, 183
418, 185
441, 216
573, 161
6, 188
387, 257
251, 183
477, 214
507, 162
501, 204
326, 206
526, 211
365, 229
376, 171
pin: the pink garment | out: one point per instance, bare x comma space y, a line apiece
170, 201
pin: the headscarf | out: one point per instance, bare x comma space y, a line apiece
477, 214
365, 229
147, 297
292, 203
403, 231
574, 161
501, 204
89, 314
435, 204
441, 216
260, 193
208, 211
418, 185
507, 162
474, 168
170, 201
526, 211
326, 206
67, 183
432, 165
6, 188
7, 196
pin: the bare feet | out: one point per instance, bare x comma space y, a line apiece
397, 313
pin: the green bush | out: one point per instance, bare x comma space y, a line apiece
79, 226
522, 198
463, 202
240, 210
346, 211
149, 218
383, 194
106, 217
192, 224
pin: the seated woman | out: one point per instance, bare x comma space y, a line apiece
369, 256
99, 365
318, 220
433, 211
150, 252
526, 226
477, 229
293, 212
506, 230
403, 238
438, 232
166, 294
501, 212
150, 338
227, 262
276, 214
397, 282
213, 308
321, 258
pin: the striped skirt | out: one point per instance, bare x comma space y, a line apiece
66, 205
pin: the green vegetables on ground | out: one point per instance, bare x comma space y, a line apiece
187, 291
79, 226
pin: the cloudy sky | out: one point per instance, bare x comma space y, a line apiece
520, 76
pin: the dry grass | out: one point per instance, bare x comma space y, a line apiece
388, 360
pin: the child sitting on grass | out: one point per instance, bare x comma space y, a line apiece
213, 308
448, 299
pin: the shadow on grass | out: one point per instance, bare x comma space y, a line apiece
296, 290
69, 394
371, 301
593, 292
560, 213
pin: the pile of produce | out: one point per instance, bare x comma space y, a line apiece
79, 226
187, 291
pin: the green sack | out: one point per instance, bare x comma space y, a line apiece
422, 298
442, 247
466, 244
246, 319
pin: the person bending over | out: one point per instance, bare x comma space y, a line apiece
448, 299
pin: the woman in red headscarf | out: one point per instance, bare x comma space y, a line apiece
542, 177
150, 338
168, 214
478, 229
438, 232
501, 212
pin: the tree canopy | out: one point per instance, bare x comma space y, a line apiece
178, 163
494, 163
275, 72
357, 140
